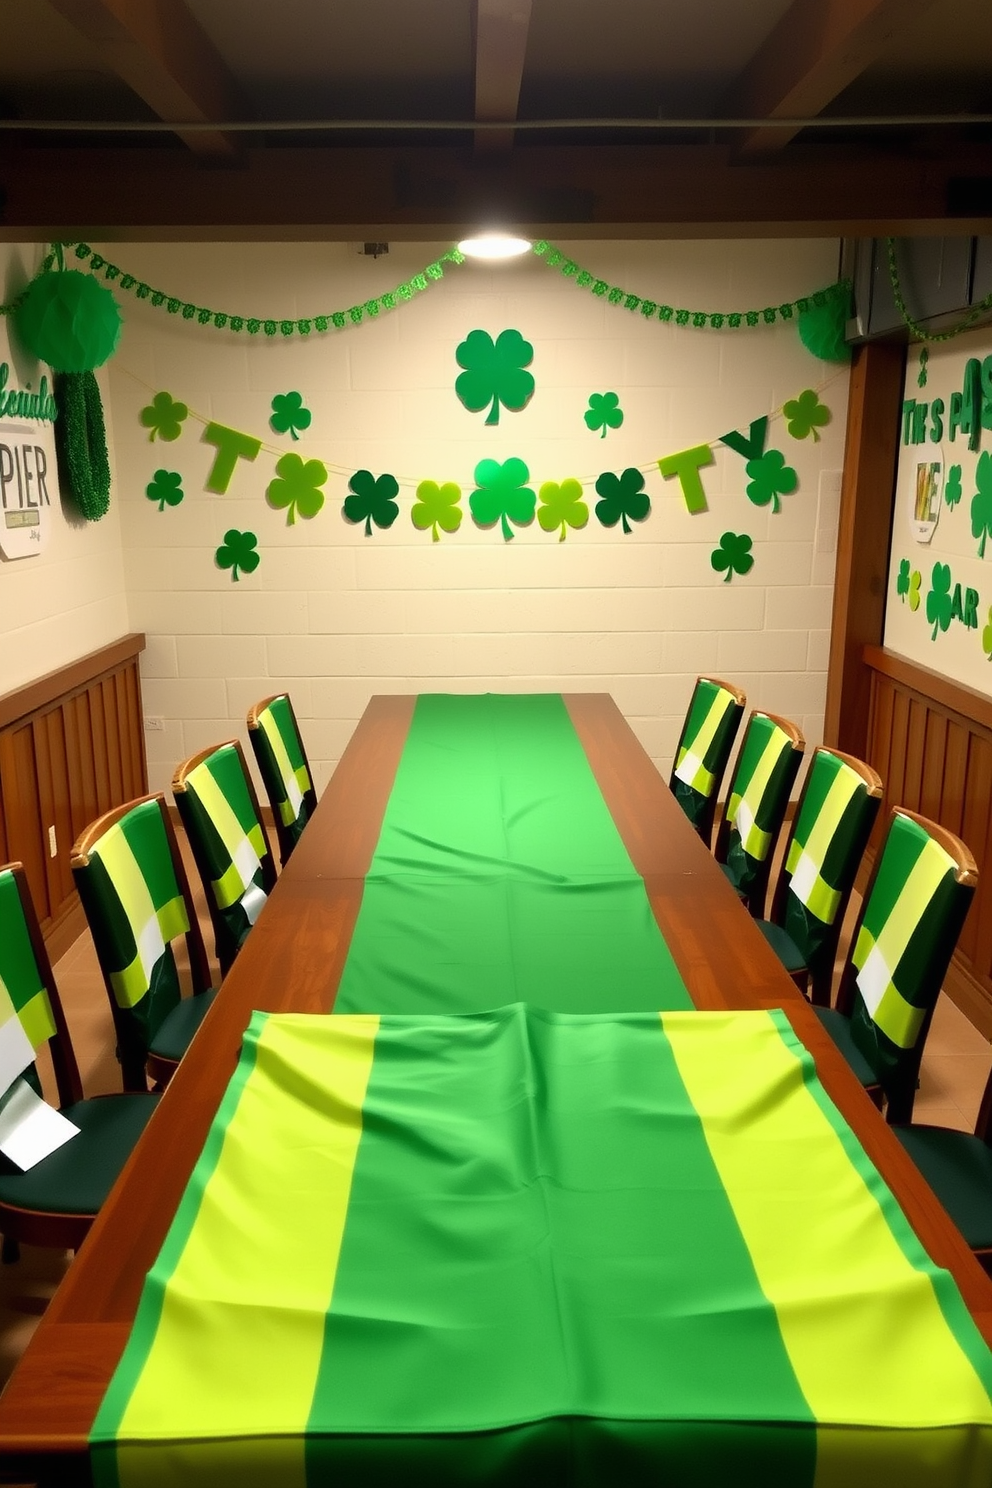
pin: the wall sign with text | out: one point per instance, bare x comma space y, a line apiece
28, 473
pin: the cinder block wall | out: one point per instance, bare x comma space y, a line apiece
335, 615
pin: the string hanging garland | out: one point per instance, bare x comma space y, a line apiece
919, 331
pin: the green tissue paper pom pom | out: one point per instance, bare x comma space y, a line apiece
69, 320
821, 329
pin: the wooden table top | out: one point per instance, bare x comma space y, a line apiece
293, 962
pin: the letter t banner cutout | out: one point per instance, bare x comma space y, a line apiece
231, 447
686, 465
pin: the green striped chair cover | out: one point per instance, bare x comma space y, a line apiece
708, 734
759, 793
135, 893
52, 1203
830, 830
282, 764
958, 1167
219, 810
912, 915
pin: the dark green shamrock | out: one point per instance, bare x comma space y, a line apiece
502, 495
604, 412
437, 506
981, 502
297, 487
561, 507
372, 500
166, 488
623, 496
939, 599
733, 554
494, 372
902, 579
770, 479
238, 552
164, 416
921, 376
288, 414
987, 636
805, 415
952, 486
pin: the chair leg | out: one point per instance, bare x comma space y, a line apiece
10, 1253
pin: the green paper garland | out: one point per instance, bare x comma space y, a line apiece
975, 313
81, 443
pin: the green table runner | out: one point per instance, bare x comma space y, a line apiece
499, 875
523, 1247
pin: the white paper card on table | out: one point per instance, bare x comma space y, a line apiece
30, 1128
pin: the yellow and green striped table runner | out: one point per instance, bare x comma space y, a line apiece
529, 1247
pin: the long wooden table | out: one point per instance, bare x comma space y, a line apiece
293, 962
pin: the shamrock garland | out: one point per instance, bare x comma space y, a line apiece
296, 488
164, 417
372, 500
502, 495
561, 507
623, 497
805, 415
437, 506
770, 479
238, 552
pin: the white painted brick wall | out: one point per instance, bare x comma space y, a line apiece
337, 616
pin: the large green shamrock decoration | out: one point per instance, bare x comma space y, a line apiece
908, 583
502, 495
238, 552
805, 415
289, 414
733, 554
296, 488
604, 412
494, 372
623, 496
981, 502
561, 506
987, 636
952, 486
372, 500
770, 479
437, 506
166, 488
939, 603
164, 416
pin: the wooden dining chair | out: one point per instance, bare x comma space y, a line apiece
282, 763
958, 1167
763, 777
134, 890
55, 1202
219, 810
708, 733
919, 892
834, 816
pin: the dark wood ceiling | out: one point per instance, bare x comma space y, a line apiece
568, 117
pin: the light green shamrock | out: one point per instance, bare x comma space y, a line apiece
437, 506
297, 487
805, 414
164, 417
562, 507
987, 636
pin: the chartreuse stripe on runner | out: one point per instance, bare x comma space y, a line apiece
486, 1248
500, 876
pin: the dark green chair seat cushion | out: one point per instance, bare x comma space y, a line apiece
77, 1177
958, 1167
175, 1033
839, 1029
783, 945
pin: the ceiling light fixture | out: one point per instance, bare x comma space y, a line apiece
494, 246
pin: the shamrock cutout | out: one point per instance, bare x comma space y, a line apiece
939, 599
166, 488
981, 502
437, 506
987, 636
902, 579
502, 495
770, 479
604, 412
805, 415
238, 551
733, 554
921, 376
952, 486
164, 417
288, 414
915, 580
297, 487
494, 372
372, 500
562, 506
623, 496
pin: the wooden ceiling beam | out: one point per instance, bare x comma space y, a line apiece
501, 28
162, 52
815, 51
